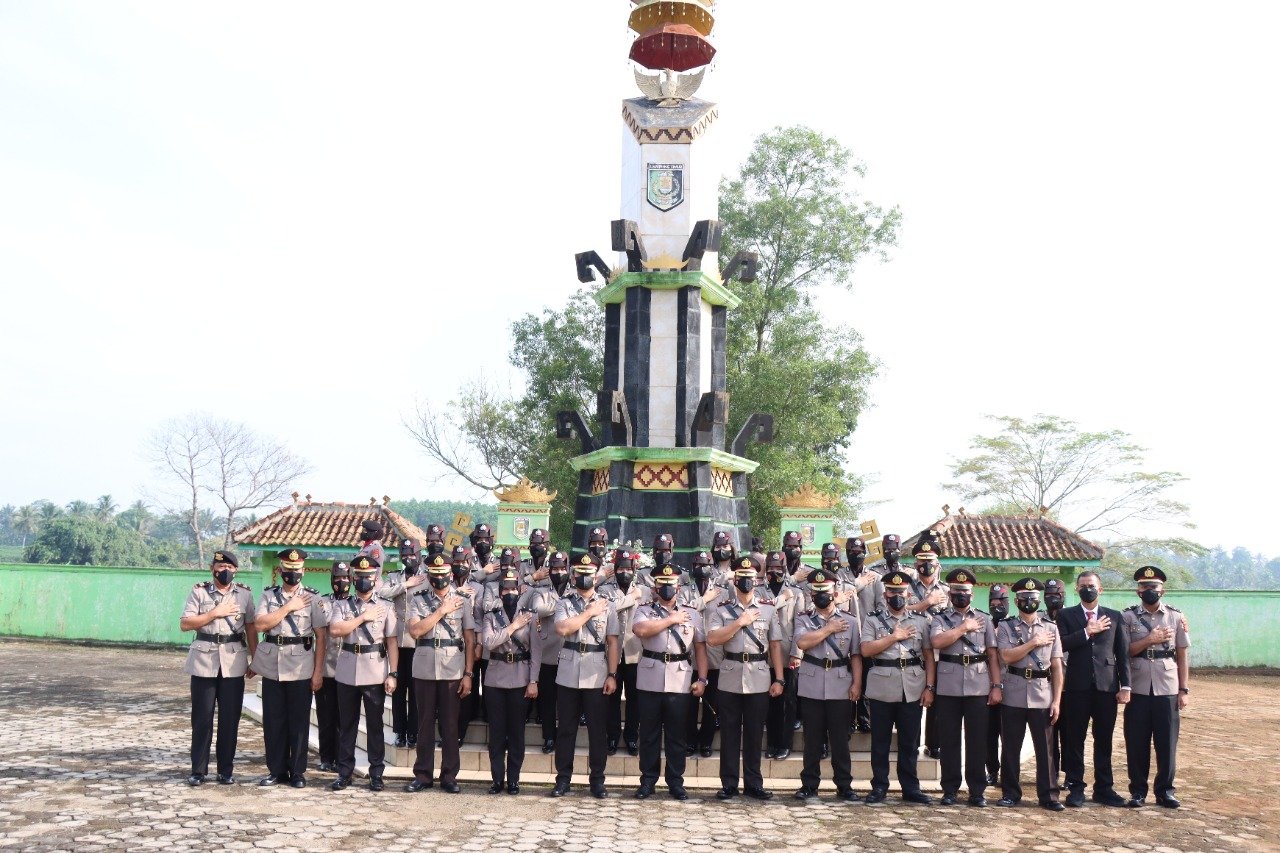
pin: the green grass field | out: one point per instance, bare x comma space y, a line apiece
10, 553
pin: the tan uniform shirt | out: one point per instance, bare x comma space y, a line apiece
369, 667
511, 652
626, 603
674, 676
972, 679
578, 669
541, 601
293, 662
752, 676
1150, 675
1020, 691
207, 658
447, 660
915, 596
393, 590
690, 597
333, 644
904, 682
823, 682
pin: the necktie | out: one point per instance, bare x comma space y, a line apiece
1088, 615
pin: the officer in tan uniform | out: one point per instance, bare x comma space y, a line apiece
788, 600
968, 684
541, 600
1160, 676
673, 650
586, 676
928, 595
442, 623
830, 682
870, 594
627, 593
512, 643
398, 588
327, 695
900, 683
366, 670
290, 659
220, 611
998, 610
1031, 652
750, 636
703, 590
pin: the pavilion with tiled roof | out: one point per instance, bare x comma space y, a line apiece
326, 531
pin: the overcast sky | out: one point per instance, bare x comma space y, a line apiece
307, 215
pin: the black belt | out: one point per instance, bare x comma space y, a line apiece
584, 648
220, 638
361, 650
509, 657
666, 657
744, 657
1027, 672
439, 644
963, 660
900, 663
1157, 654
827, 663
282, 640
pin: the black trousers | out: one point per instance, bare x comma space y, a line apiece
742, 732
931, 740
826, 720
1014, 723
286, 720
993, 744
1147, 720
952, 712
862, 708
703, 720
228, 695
548, 690
404, 702
781, 719
437, 700
885, 717
627, 682
1078, 708
373, 697
664, 722
506, 707
327, 720
569, 705
473, 706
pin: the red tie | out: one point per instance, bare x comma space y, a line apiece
1088, 614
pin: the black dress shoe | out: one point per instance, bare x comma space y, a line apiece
795, 727
1168, 802
582, 719
783, 754
326, 766
297, 782
920, 798
450, 787
402, 740
226, 779
877, 796
935, 752
376, 783
993, 781
770, 752
949, 799
513, 788
268, 780
726, 793
633, 748
806, 794
690, 750
613, 747
599, 792
705, 752
826, 751
411, 741
417, 785
495, 788
678, 792
560, 789
864, 728
1053, 806
341, 783
1109, 798
644, 792
757, 793
1075, 799
548, 747
848, 795
1135, 802
1006, 802
195, 780
978, 802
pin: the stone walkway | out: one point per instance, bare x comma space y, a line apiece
93, 756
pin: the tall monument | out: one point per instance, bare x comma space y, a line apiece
657, 461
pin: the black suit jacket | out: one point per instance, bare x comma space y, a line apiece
1100, 661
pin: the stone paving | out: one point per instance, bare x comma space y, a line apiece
93, 756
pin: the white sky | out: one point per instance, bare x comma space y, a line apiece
259, 209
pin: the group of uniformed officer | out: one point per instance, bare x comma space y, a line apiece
739, 644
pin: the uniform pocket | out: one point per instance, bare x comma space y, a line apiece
880, 672
648, 663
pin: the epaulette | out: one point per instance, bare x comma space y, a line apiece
1171, 607
275, 588
979, 610
242, 585
202, 583
422, 592
1134, 608
311, 590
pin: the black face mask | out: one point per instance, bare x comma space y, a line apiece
926, 570
775, 583
559, 580
822, 600
1028, 605
364, 584
1053, 602
891, 560
460, 574
410, 562
483, 548
1150, 596
537, 553
896, 602
744, 584
291, 578
999, 613
856, 564
341, 589
722, 555
1088, 594
792, 554
224, 577
434, 547
624, 579
596, 550
509, 602
661, 558
666, 591
584, 582
700, 573
439, 582
960, 600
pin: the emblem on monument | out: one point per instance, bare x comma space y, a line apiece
666, 185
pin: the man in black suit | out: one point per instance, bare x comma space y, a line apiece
1097, 681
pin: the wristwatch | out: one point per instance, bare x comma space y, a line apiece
704, 681
929, 687
466, 675
1186, 690
612, 675
779, 681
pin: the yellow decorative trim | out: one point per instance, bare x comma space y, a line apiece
722, 482
806, 497
665, 262
660, 477
677, 135
525, 492
600, 481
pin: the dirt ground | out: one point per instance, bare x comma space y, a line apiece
94, 743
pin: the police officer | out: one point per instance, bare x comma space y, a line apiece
466, 566
371, 541
751, 671
366, 670
290, 659
673, 648
398, 588
968, 683
482, 559
788, 601
704, 590
586, 676
541, 600
1031, 652
928, 596
509, 683
221, 613
626, 593
793, 550
534, 570
598, 547
327, 695
870, 594
830, 682
998, 610
663, 555
442, 622
1055, 598
1160, 676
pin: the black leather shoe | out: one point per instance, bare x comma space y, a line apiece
1005, 802
599, 792
978, 802
877, 796
783, 755
805, 794
705, 752
297, 782
826, 751
1053, 806
560, 789
1168, 802
949, 800
513, 788
690, 750
933, 753
195, 780
417, 785
848, 795
411, 741
402, 740
770, 752
920, 798
226, 779
326, 767
341, 783
582, 719
726, 793
644, 792
450, 787
548, 747
1075, 799
1110, 798
633, 748
376, 783
757, 793
268, 780
678, 792
864, 728
495, 788
1135, 802
993, 781
613, 747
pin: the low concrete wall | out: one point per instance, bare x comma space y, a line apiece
1228, 627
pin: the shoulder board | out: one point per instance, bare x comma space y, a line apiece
311, 590
1133, 609
242, 585
1171, 607
983, 612
422, 592
202, 583
275, 588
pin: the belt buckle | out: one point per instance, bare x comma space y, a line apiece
666, 657
582, 648
279, 639
511, 657
1027, 673
964, 660
742, 657
1150, 654
826, 663
902, 663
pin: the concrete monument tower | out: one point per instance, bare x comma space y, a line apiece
658, 462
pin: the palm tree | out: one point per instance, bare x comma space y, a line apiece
104, 509
26, 520
139, 518
80, 509
48, 511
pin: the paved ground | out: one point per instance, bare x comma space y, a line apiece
93, 754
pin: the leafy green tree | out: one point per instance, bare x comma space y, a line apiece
26, 522
80, 509
104, 509
426, 512
138, 518
81, 540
